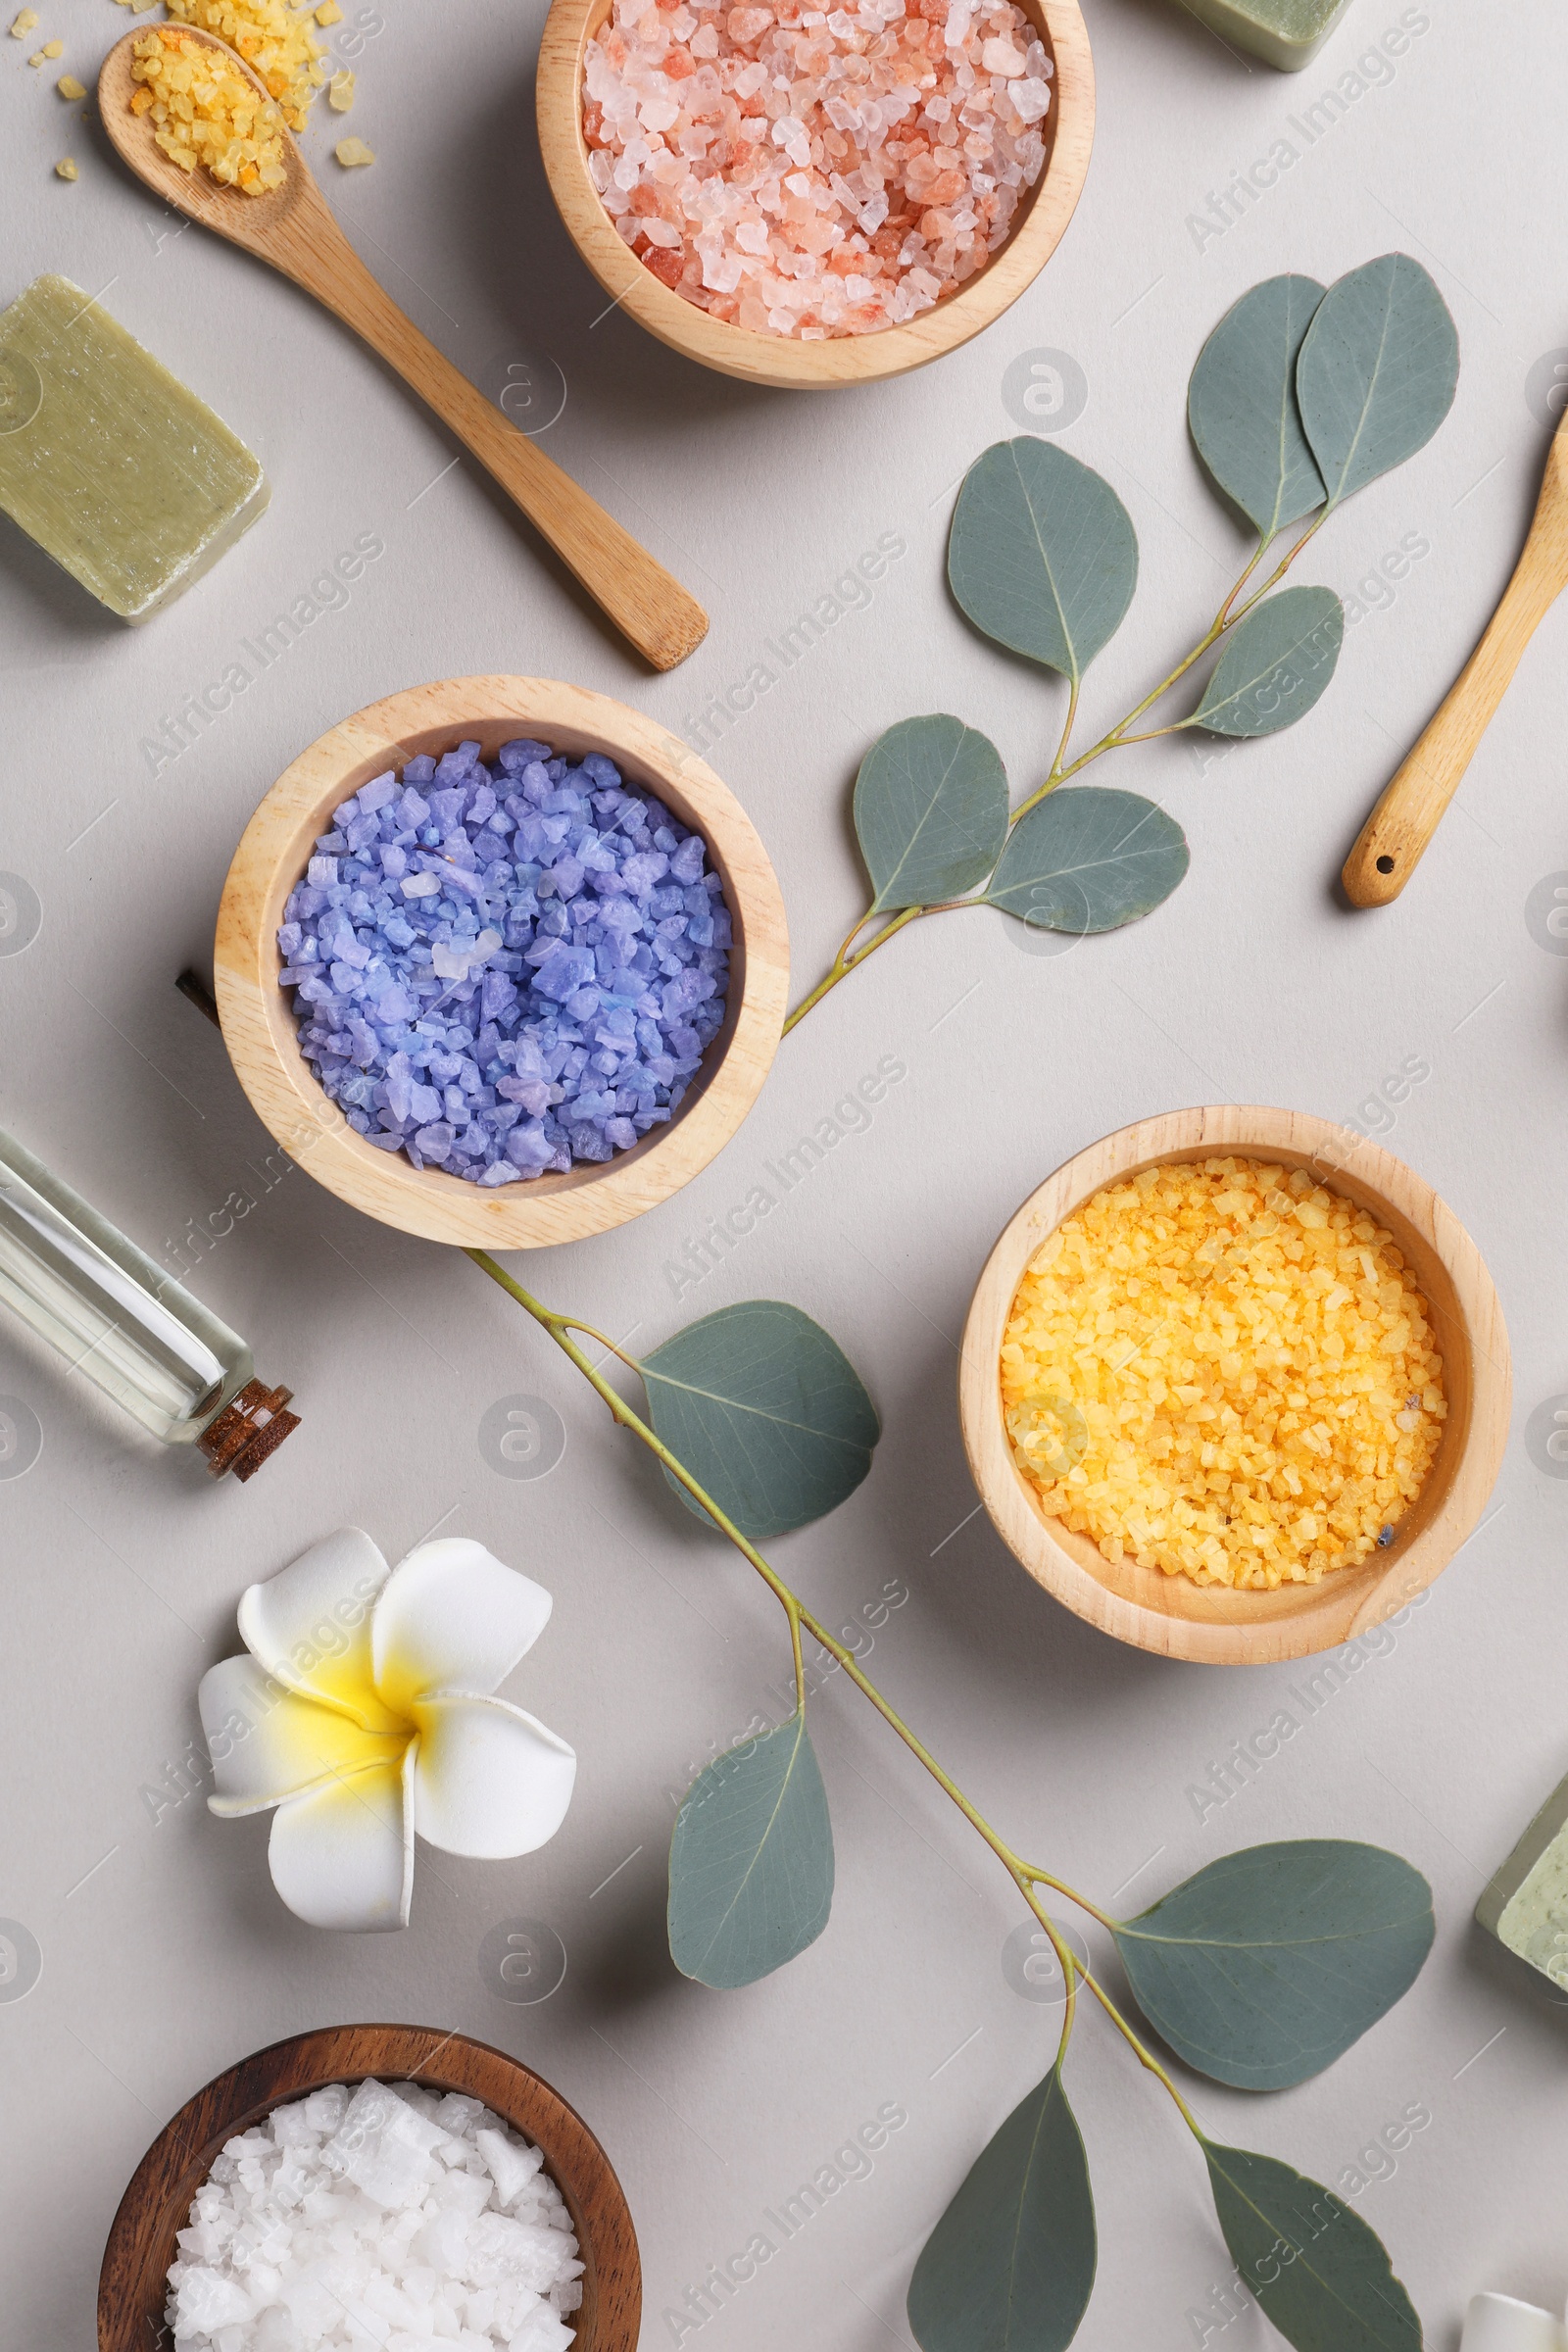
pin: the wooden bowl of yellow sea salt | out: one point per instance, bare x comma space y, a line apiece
1235, 1384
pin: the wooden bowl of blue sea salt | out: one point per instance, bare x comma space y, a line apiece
500, 962
377, 2186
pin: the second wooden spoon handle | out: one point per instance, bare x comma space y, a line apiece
1402, 826
1398, 831
645, 603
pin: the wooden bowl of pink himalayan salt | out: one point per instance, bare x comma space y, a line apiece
765, 358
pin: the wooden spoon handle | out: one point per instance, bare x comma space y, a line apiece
1398, 831
645, 603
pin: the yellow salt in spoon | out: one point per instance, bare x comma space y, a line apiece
292, 228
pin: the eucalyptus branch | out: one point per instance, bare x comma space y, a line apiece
847, 960
560, 1328
1028, 2194
1042, 560
1116, 738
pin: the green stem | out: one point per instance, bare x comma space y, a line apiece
1141, 2052
1264, 543
1066, 734
798, 1661
844, 963
1025, 1876
1280, 569
560, 1328
1117, 740
1042, 1878
571, 1323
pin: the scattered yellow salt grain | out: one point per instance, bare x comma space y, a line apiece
328, 12
69, 87
203, 112
340, 91
23, 24
1224, 1370
65, 168
352, 152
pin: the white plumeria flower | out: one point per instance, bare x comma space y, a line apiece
366, 1710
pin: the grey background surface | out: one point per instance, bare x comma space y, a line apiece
165, 1954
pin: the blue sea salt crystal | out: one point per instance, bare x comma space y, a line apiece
499, 969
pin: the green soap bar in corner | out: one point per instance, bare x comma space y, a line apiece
1525, 1904
1288, 34
118, 471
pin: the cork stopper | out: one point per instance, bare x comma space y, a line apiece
251, 1426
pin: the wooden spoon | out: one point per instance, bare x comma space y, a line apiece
292, 228
1405, 819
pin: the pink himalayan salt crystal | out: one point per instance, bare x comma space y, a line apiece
811, 174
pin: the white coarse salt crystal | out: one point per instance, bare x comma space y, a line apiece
1001, 57
207, 2301
338, 2268
511, 2168
1031, 98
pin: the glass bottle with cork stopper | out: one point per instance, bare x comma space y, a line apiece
124, 1324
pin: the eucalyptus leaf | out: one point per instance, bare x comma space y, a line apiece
1377, 374
1275, 664
766, 1412
1088, 859
1043, 556
1240, 404
931, 811
1011, 2265
751, 1863
1267, 1965
1322, 2276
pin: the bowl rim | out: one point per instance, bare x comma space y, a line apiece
1213, 1624
158, 2197
258, 1023
782, 361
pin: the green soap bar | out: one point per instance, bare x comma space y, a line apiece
1288, 34
1525, 1905
119, 473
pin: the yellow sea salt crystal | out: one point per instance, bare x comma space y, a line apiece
1246, 1367
328, 12
340, 91
353, 151
65, 168
275, 41
203, 110
23, 24
69, 87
